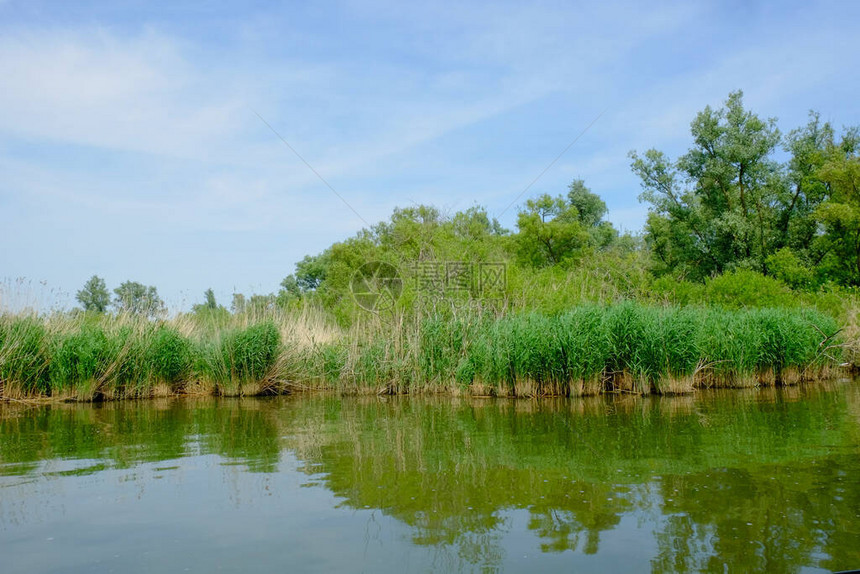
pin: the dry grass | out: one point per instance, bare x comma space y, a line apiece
677, 385
851, 336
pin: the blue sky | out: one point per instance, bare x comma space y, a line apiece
130, 148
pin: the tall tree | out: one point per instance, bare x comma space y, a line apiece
550, 232
554, 230
138, 299
94, 296
209, 296
809, 147
716, 207
840, 212
591, 210
311, 271
209, 306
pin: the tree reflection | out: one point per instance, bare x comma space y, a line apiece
749, 480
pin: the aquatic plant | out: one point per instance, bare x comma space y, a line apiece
625, 347
24, 356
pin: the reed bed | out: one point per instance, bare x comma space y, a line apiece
631, 348
586, 350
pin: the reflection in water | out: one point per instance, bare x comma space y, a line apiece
757, 480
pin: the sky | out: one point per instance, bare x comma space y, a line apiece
134, 144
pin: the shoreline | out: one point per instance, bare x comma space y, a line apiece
841, 374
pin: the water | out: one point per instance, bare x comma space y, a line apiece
731, 481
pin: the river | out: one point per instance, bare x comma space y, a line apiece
735, 480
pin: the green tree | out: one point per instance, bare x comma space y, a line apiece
809, 147
839, 214
553, 230
290, 293
550, 232
311, 272
290, 286
590, 208
138, 299
94, 296
209, 296
475, 225
718, 206
591, 211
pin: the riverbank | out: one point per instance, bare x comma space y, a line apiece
587, 350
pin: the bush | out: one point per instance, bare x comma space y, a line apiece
788, 268
677, 292
748, 289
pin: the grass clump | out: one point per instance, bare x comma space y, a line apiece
632, 332
24, 356
585, 348
636, 348
329, 363
170, 356
248, 356
675, 357
81, 360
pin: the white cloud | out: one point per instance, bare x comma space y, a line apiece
91, 88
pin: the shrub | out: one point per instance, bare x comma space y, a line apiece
748, 289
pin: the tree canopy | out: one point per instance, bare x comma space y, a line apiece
728, 204
138, 299
94, 295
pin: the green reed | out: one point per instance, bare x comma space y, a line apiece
625, 347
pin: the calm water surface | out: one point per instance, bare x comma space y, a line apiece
733, 481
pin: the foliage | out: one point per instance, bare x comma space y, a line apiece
728, 205
549, 232
209, 296
170, 356
725, 219
210, 311
786, 266
25, 355
94, 295
554, 230
585, 349
736, 242
138, 299
238, 303
748, 289
840, 213
81, 357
